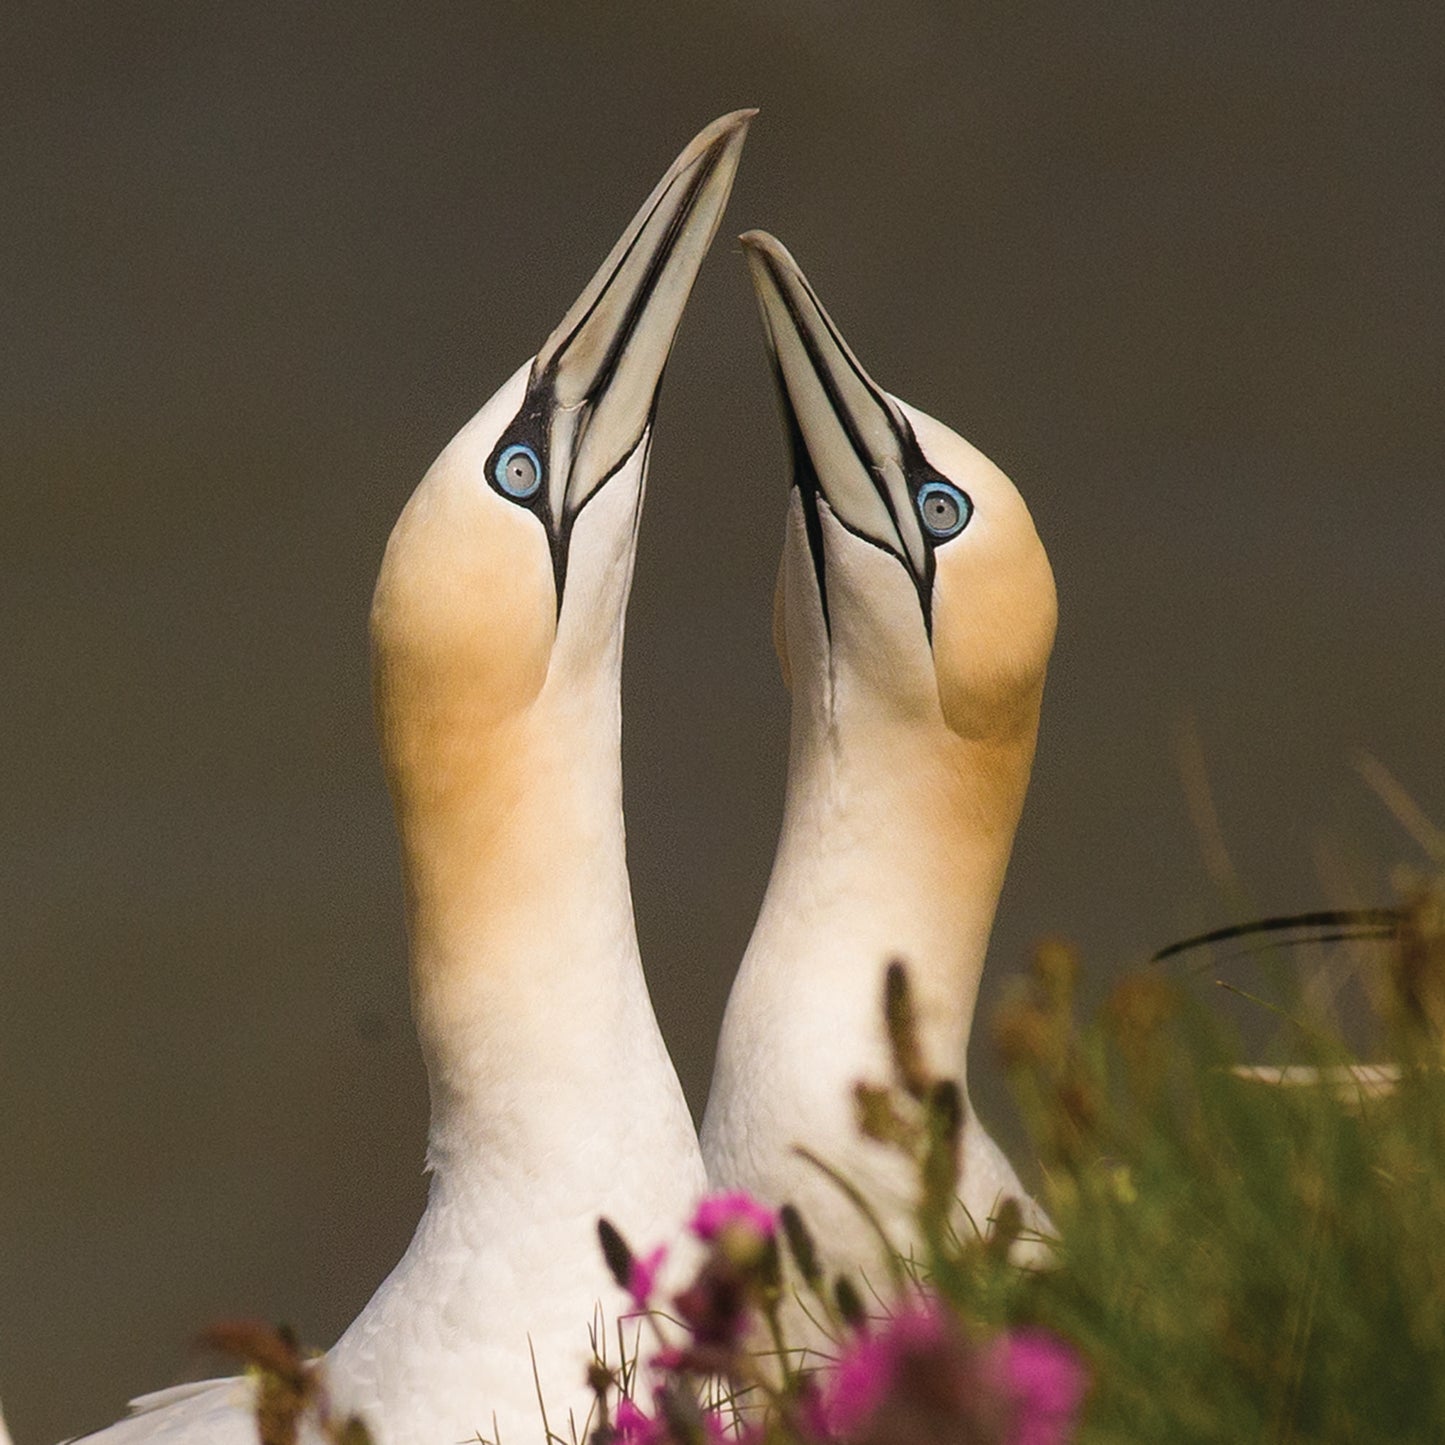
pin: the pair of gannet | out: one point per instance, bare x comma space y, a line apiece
914, 618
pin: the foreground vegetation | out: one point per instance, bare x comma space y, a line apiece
1241, 1252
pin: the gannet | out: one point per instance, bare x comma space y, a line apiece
914, 617
497, 629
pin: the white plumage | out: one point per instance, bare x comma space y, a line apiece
497, 639
915, 616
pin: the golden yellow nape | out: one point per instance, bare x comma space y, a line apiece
463, 618
994, 607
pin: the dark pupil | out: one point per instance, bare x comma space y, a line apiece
520, 471
942, 511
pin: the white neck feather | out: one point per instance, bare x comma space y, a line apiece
894, 846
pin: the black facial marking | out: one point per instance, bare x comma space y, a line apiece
531, 425
805, 479
917, 473
529, 428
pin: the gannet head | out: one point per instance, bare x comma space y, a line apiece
511, 563
914, 590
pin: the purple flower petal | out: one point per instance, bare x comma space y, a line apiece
642, 1275
868, 1369
635, 1428
1047, 1382
738, 1208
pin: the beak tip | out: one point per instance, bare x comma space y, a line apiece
764, 247
727, 132
774, 272
633, 304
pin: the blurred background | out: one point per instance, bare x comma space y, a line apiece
1175, 267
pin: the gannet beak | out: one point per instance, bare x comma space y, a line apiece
602, 367
852, 447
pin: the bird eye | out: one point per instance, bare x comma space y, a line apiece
518, 471
944, 509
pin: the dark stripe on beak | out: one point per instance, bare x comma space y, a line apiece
852, 447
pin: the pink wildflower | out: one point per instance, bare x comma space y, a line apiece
721, 1432
642, 1272
735, 1210
1046, 1382
916, 1378
866, 1372
635, 1428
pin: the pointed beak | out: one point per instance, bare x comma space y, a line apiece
852, 448
603, 364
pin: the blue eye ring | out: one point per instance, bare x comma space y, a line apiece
943, 509
518, 471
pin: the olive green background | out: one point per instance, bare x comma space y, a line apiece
1176, 267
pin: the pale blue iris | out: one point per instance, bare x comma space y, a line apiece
943, 509
519, 471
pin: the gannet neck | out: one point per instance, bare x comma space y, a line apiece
914, 617
896, 849
892, 847
553, 1099
518, 897
519, 911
